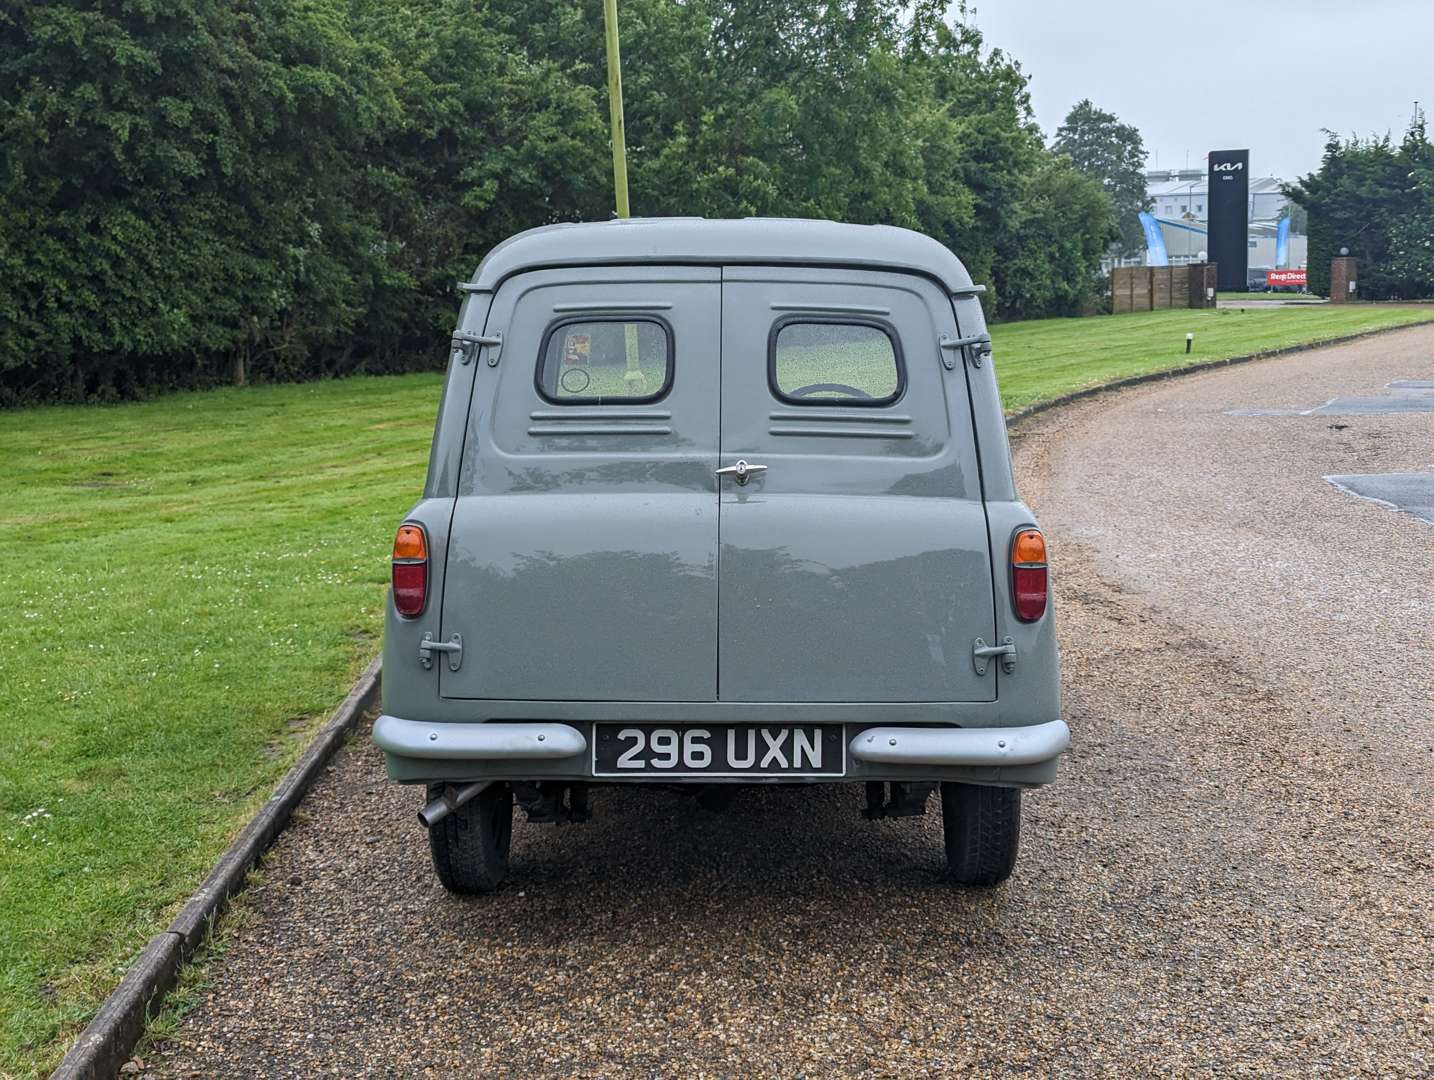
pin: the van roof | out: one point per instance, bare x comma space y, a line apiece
757, 241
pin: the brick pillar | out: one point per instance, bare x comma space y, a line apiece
1343, 279
1203, 279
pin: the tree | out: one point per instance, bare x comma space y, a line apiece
1376, 199
486, 140
1113, 154
1048, 260
176, 181
984, 144
1411, 226
211, 190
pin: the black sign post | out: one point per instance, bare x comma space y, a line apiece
1230, 218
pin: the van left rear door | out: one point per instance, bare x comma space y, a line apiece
582, 563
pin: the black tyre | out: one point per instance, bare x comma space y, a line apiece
983, 832
470, 846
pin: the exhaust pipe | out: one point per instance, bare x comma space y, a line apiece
451, 799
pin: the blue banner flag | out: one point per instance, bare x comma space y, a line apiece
1155, 254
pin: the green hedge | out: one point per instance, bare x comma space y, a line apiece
216, 190
1375, 198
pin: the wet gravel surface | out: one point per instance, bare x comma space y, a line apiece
1233, 876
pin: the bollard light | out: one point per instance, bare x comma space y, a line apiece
1189, 341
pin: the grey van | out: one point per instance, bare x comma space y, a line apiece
714, 503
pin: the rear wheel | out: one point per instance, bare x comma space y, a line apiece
470, 845
983, 832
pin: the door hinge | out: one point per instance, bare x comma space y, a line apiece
453, 647
977, 347
466, 345
981, 653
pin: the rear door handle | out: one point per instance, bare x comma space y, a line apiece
981, 653
742, 471
979, 344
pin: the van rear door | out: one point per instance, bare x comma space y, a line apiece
582, 563
856, 566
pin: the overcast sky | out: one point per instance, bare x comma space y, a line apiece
1265, 75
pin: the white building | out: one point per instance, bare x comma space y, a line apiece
1181, 208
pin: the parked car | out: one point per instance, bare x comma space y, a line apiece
714, 503
1257, 279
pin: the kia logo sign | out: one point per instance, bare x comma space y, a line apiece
1229, 217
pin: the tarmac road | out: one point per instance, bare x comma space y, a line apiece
1233, 876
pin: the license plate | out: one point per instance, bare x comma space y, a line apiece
719, 750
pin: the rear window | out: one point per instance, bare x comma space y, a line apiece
597, 361
834, 362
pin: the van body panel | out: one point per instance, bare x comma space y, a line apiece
631, 242
446, 453
1033, 687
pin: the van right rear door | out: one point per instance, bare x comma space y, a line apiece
856, 566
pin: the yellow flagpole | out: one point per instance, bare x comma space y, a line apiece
633, 376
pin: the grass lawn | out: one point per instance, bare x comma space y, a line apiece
1044, 358
1306, 298
192, 583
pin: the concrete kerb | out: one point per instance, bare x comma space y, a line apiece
111, 1036
1016, 417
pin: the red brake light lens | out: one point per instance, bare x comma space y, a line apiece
1030, 576
410, 570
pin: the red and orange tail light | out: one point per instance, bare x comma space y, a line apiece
1030, 576
410, 570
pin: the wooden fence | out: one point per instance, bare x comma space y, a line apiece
1152, 288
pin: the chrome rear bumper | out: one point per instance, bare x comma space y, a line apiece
477, 742
423, 751
961, 746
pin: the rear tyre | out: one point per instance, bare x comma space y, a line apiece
470, 846
983, 832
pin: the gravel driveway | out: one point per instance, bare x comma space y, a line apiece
1234, 874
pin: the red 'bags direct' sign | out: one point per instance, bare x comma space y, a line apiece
1286, 277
